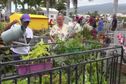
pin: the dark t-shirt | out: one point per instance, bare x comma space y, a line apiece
114, 24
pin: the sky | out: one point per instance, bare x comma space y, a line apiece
86, 2
94, 2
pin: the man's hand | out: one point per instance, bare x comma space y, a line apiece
8, 26
52, 39
14, 22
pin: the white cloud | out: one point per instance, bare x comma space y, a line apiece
86, 2
94, 2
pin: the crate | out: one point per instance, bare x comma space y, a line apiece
30, 68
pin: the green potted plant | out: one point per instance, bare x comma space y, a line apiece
39, 50
1, 30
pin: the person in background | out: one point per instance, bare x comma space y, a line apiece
114, 23
94, 33
92, 21
51, 22
74, 27
59, 30
80, 21
24, 40
100, 25
97, 18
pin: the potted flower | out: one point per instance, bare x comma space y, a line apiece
39, 50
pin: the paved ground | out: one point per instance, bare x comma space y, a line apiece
119, 28
123, 78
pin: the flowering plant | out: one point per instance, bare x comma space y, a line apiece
120, 38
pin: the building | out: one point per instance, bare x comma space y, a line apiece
52, 13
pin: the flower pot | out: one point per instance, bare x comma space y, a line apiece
30, 68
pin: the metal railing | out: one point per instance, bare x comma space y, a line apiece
51, 49
84, 67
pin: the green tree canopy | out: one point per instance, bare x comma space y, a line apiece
60, 6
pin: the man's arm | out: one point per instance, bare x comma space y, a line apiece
28, 40
52, 38
52, 34
22, 43
8, 26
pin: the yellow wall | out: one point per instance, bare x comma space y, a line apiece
38, 22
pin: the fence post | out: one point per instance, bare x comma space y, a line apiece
120, 65
0, 74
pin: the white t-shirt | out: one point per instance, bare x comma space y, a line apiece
61, 33
28, 34
74, 27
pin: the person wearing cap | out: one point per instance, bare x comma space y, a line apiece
25, 39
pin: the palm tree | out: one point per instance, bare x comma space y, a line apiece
63, 4
47, 6
49, 3
67, 8
75, 5
16, 4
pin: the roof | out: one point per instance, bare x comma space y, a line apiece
50, 9
31, 15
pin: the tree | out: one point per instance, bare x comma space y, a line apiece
88, 13
75, 5
47, 6
68, 8
31, 3
35, 3
22, 2
115, 6
43, 3
7, 4
63, 1
60, 6
4, 3
95, 13
53, 3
